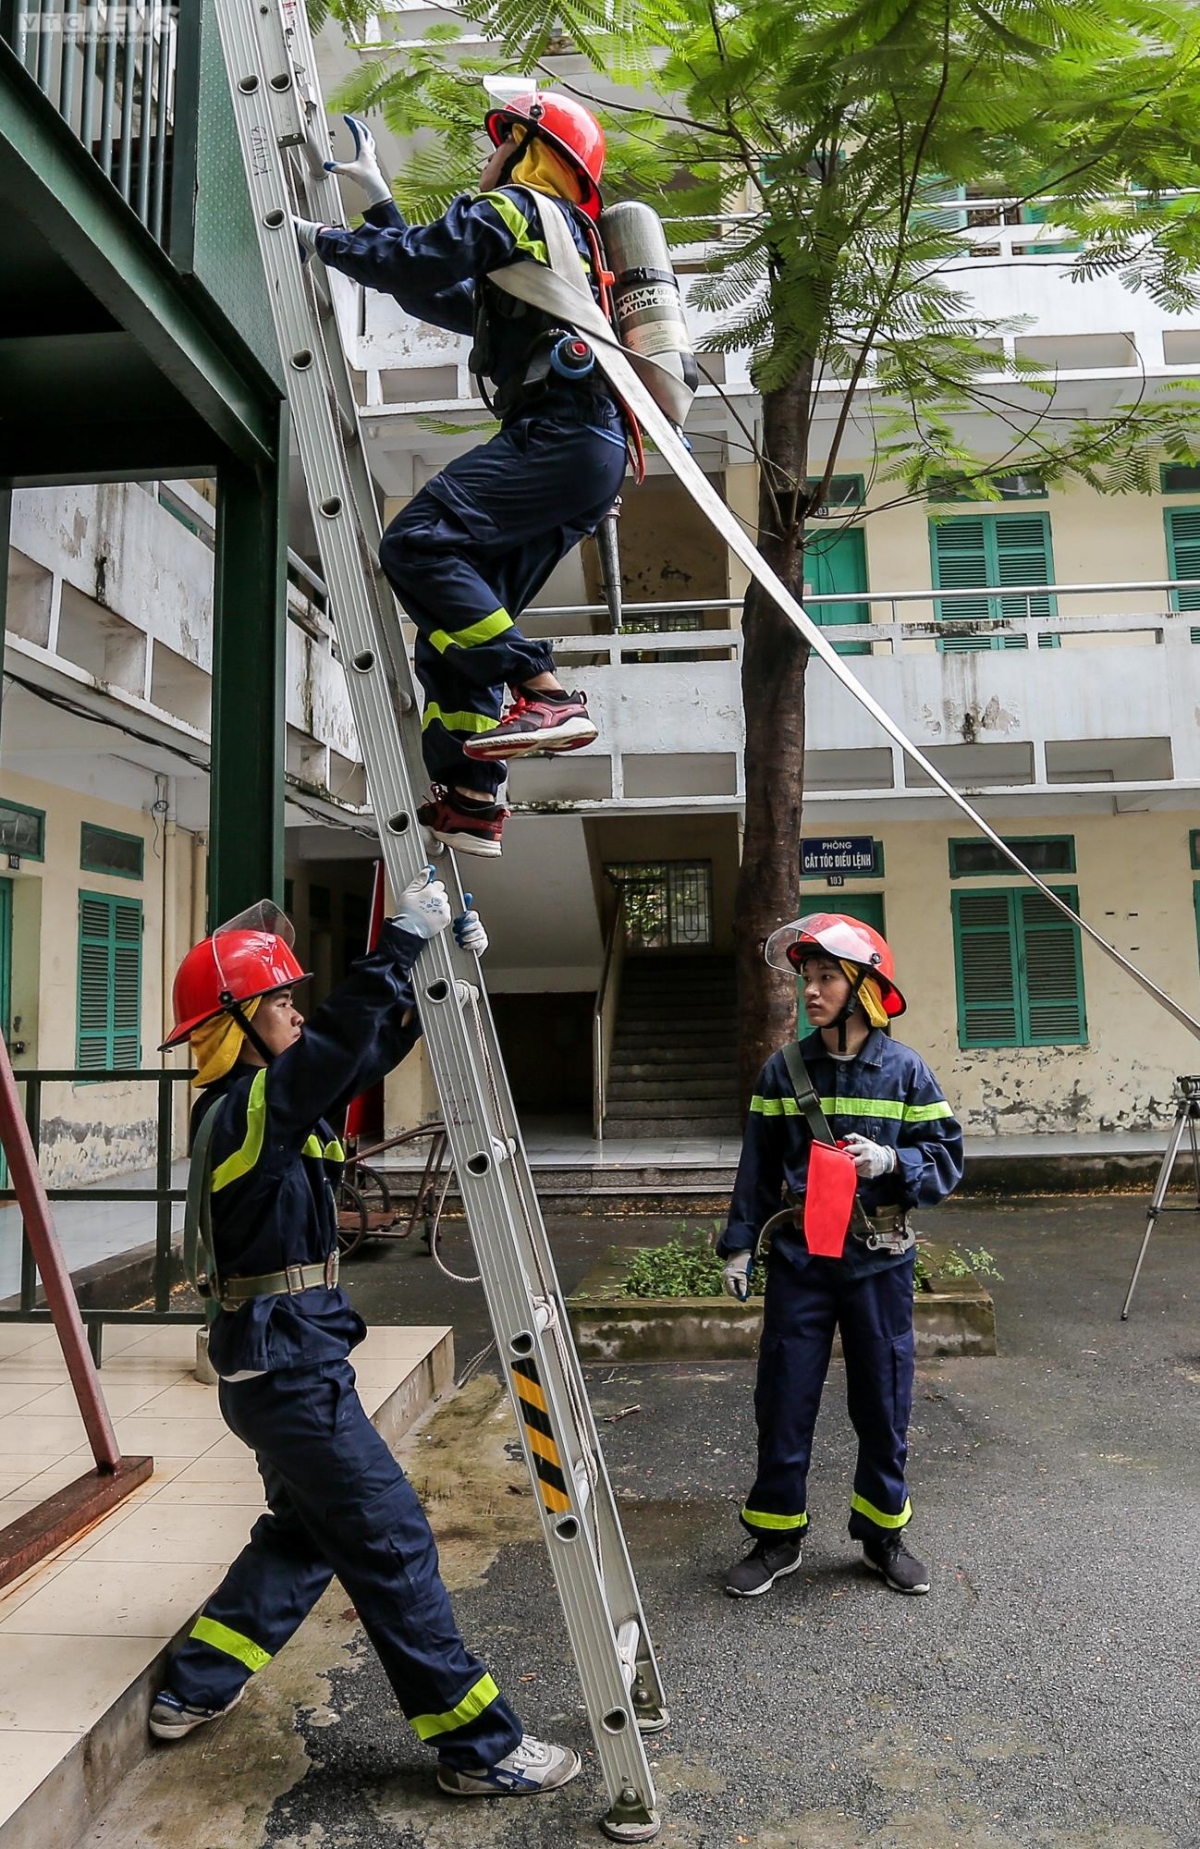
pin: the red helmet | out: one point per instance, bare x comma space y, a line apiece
845, 939
241, 959
567, 126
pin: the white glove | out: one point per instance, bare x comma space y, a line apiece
736, 1276
871, 1160
365, 166
469, 933
424, 909
307, 234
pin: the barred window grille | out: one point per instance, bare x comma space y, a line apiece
668, 903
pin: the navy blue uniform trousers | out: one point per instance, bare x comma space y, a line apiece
806, 1300
475, 545
338, 1502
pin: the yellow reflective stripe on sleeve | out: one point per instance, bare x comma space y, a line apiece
513, 219
457, 722
861, 1506
311, 1147
885, 1107
333, 1152
428, 1726
230, 1643
476, 633
774, 1107
242, 1160
755, 1518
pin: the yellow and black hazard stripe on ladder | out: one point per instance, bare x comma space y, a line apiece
552, 1480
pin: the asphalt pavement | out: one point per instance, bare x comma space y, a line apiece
1045, 1695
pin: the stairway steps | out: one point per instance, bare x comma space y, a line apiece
689, 1091
657, 1021
673, 1071
671, 1105
669, 1128
679, 1071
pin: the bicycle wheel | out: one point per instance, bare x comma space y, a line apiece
372, 1185
352, 1219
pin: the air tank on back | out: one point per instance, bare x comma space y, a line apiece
647, 304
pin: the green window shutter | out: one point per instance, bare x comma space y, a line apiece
960, 563
1183, 553
108, 1033
1023, 557
127, 984
992, 549
985, 967
1051, 971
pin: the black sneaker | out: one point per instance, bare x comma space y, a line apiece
893, 1562
757, 1571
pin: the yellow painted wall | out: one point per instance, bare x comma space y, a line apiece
1094, 538
91, 1131
1135, 886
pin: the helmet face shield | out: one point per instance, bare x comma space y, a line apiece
263, 916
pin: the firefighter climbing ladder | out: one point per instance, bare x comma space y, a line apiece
284, 141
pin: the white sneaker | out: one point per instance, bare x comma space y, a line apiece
172, 1719
531, 1767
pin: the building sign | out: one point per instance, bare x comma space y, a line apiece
832, 858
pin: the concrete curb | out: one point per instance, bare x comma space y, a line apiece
955, 1317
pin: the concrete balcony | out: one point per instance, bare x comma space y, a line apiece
110, 618
415, 375
1099, 708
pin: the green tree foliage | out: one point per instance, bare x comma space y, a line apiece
822, 148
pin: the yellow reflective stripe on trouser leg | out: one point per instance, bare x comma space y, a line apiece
757, 1518
230, 1643
457, 722
485, 630
472, 1705
861, 1506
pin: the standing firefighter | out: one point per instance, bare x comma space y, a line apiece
852, 1129
261, 1211
478, 542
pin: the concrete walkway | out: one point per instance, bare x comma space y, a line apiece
1046, 1696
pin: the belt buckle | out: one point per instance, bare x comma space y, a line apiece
332, 1267
294, 1274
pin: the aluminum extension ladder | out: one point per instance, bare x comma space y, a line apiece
282, 132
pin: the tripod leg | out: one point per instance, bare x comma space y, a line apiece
1182, 1117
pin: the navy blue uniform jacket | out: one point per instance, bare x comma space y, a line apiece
276, 1161
887, 1094
434, 270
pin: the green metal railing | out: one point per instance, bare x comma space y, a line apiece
109, 68
163, 1195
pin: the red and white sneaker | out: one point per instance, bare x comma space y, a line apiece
474, 831
534, 726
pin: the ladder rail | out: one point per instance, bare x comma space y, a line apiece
268, 57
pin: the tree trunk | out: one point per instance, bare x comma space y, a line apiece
774, 659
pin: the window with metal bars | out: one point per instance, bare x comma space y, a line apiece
668, 903
988, 550
109, 1015
1018, 969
